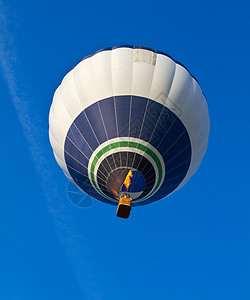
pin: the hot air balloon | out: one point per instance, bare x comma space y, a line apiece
129, 126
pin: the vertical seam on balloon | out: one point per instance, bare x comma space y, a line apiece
92, 192
74, 86
147, 102
82, 136
84, 183
169, 179
146, 110
204, 125
166, 97
70, 130
93, 69
75, 159
100, 178
112, 88
53, 135
167, 132
56, 153
172, 146
164, 105
130, 109
150, 181
63, 106
117, 129
79, 99
77, 145
64, 160
115, 121
155, 126
131, 85
152, 79
191, 86
178, 166
106, 130
82, 165
146, 172
141, 171
57, 122
144, 116
104, 126
175, 141
129, 118
91, 127
174, 73
144, 165
177, 153
77, 172
78, 96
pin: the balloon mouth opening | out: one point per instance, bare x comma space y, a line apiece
126, 180
134, 184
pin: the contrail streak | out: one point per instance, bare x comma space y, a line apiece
37, 138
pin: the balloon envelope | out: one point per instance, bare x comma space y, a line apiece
129, 108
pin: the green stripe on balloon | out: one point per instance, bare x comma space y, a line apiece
124, 144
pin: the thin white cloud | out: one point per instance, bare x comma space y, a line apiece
73, 242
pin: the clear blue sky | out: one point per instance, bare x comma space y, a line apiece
193, 245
